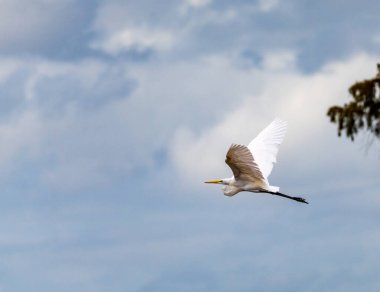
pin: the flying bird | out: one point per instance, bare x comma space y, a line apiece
251, 165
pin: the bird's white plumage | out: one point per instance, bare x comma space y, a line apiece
252, 164
264, 147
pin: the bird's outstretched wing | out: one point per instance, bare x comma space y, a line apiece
265, 146
243, 166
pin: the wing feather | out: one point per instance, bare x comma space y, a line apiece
265, 146
242, 163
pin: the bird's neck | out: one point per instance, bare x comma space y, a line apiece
228, 181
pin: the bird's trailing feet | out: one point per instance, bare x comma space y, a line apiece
298, 199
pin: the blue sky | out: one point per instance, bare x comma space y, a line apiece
113, 113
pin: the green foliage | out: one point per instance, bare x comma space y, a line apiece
363, 112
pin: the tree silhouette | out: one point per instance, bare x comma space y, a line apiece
363, 112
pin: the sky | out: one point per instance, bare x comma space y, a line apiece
113, 114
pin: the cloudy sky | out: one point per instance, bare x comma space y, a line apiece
113, 113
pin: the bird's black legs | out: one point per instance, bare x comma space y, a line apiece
298, 199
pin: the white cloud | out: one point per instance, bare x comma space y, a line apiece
139, 39
125, 26
279, 60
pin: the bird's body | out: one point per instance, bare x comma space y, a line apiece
235, 186
252, 164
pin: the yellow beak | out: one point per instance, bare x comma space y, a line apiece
217, 181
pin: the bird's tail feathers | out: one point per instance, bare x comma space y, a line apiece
274, 189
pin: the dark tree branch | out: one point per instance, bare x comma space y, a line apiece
363, 112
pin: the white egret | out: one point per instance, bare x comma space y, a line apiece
252, 164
